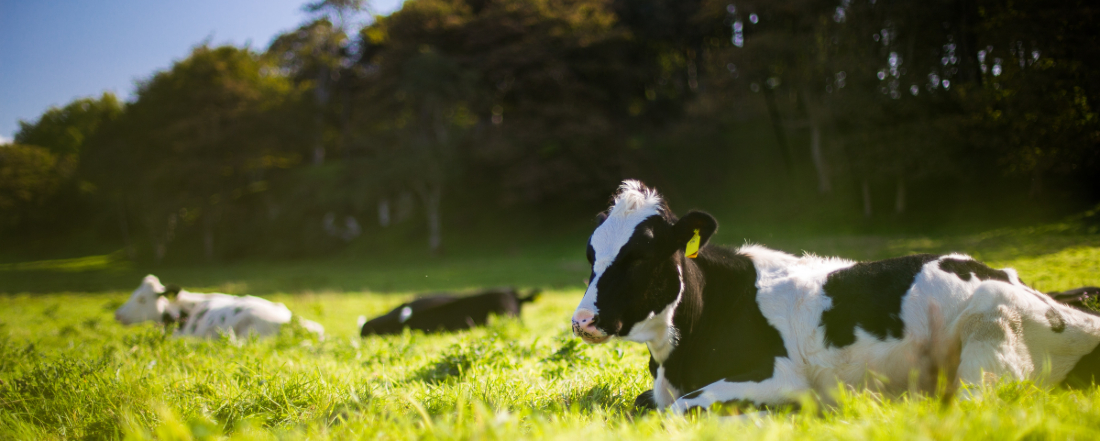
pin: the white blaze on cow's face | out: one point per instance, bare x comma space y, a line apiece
631, 222
145, 304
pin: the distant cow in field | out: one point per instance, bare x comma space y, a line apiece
759, 326
206, 315
1078, 297
446, 312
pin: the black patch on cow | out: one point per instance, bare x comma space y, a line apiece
237, 310
645, 401
1057, 323
171, 291
723, 334
965, 269
692, 395
868, 295
1085, 372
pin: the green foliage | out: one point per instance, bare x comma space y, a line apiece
202, 139
64, 131
30, 177
452, 113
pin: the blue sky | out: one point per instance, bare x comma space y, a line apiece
53, 51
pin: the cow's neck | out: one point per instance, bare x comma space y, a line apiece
671, 324
186, 301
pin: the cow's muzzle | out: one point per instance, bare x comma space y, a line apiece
584, 326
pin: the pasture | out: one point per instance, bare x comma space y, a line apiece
67, 370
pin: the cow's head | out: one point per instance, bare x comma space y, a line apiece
636, 254
147, 303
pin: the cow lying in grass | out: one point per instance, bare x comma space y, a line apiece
752, 325
1079, 298
445, 312
206, 315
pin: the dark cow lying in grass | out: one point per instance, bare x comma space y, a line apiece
1079, 298
752, 325
206, 315
444, 312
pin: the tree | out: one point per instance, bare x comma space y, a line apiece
64, 130
199, 137
1040, 82
315, 56
30, 176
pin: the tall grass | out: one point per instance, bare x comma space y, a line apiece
68, 371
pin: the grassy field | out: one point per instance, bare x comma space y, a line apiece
67, 370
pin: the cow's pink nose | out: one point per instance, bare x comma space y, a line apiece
584, 322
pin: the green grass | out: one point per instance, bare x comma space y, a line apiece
69, 371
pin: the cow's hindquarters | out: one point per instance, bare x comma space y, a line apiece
1010, 332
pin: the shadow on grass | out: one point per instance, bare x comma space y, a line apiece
547, 267
109, 273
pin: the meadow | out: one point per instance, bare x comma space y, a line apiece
68, 371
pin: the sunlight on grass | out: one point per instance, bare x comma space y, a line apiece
67, 370
113, 261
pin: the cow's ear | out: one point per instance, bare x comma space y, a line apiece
600, 218
171, 291
685, 228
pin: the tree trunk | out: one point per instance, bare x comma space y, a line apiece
128, 245
430, 195
319, 142
777, 125
208, 240
384, 212
817, 153
823, 185
321, 97
899, 198
345, 123
866, 198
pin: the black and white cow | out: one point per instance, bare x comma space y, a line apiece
755, 325
206, 315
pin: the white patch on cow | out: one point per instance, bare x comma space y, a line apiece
406, 313
360, 321
664, 393
632, 205
657, 331
236, 316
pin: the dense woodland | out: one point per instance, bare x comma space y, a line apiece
475, 116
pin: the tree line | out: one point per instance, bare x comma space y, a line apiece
447, 108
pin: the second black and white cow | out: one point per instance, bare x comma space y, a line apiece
755, 325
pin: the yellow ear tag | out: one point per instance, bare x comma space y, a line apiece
692, 249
